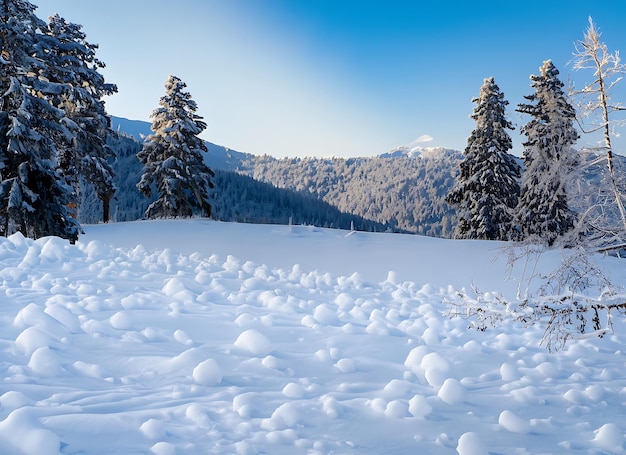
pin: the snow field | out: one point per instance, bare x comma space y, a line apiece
140, 350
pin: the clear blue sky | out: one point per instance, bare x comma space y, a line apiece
334, 77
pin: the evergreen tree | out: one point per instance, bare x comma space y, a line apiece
86, 159
543, 211
172, 157
487, 187
33, 197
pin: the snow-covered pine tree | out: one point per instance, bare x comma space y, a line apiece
543, 211
487, 187
86, 160
33, 196
172, 158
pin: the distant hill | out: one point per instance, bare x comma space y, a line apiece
404, 190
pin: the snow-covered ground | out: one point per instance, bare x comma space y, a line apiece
199, 337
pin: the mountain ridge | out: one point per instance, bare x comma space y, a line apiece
140, 129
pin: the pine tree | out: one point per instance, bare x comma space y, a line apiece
487, 187
543, 211
172, 157
86, 159
33, 197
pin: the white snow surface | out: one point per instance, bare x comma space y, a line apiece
200, 337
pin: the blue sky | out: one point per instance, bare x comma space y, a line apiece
335, 77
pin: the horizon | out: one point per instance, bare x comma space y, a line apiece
298, 78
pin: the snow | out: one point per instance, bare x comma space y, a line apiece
186, 337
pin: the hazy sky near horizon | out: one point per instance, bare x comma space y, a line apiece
335, 77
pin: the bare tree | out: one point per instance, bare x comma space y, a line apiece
596, 110
573, 301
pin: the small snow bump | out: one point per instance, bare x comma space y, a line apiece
330, 406
163, 448
435, 368
173, 287
452, 392
182, 337
513, 423
293, 390
346, 365
509, 372
207, 373
88, 370
153, 429
254, 342
397, 409
53, 249
419, 407
286, 415
270, 362
32, 339
470, 444
44, 362
325, 314
121, 321
609, 437
414, 359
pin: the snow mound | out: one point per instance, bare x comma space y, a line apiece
470, 444
254, 342
513, 423
208, 373
610, 437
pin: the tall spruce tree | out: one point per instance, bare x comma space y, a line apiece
86, 159
33, 196
487, 187
172, 158
543, 211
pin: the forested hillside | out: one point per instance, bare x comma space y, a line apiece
403, 189
236, 197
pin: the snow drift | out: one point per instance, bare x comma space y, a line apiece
187, 337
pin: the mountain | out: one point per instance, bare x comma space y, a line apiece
417, 152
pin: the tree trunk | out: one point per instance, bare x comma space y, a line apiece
106, 203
